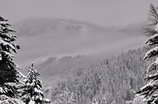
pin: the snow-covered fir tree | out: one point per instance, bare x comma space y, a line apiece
8, 71
32, 89
149, 91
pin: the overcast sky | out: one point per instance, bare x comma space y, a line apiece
103, 12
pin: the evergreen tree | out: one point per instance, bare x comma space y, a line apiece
32, 89
8, 71
150, 90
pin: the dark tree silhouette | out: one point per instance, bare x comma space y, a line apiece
8, 71
150, 90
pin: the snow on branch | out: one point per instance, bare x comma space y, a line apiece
152, 40
151, 53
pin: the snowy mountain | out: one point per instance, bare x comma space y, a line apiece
63, 48
59, 46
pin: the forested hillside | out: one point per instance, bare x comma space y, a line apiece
79, 52
110, 81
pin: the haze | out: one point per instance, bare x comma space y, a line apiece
102, 12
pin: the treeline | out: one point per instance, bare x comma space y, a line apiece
110, 81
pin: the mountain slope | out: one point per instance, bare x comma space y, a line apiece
41, 38
111, 79
67, 49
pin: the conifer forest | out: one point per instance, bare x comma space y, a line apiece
78, 52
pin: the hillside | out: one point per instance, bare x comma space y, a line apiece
61, 37
78, 56
112, 81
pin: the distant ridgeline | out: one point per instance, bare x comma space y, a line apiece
110, 81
